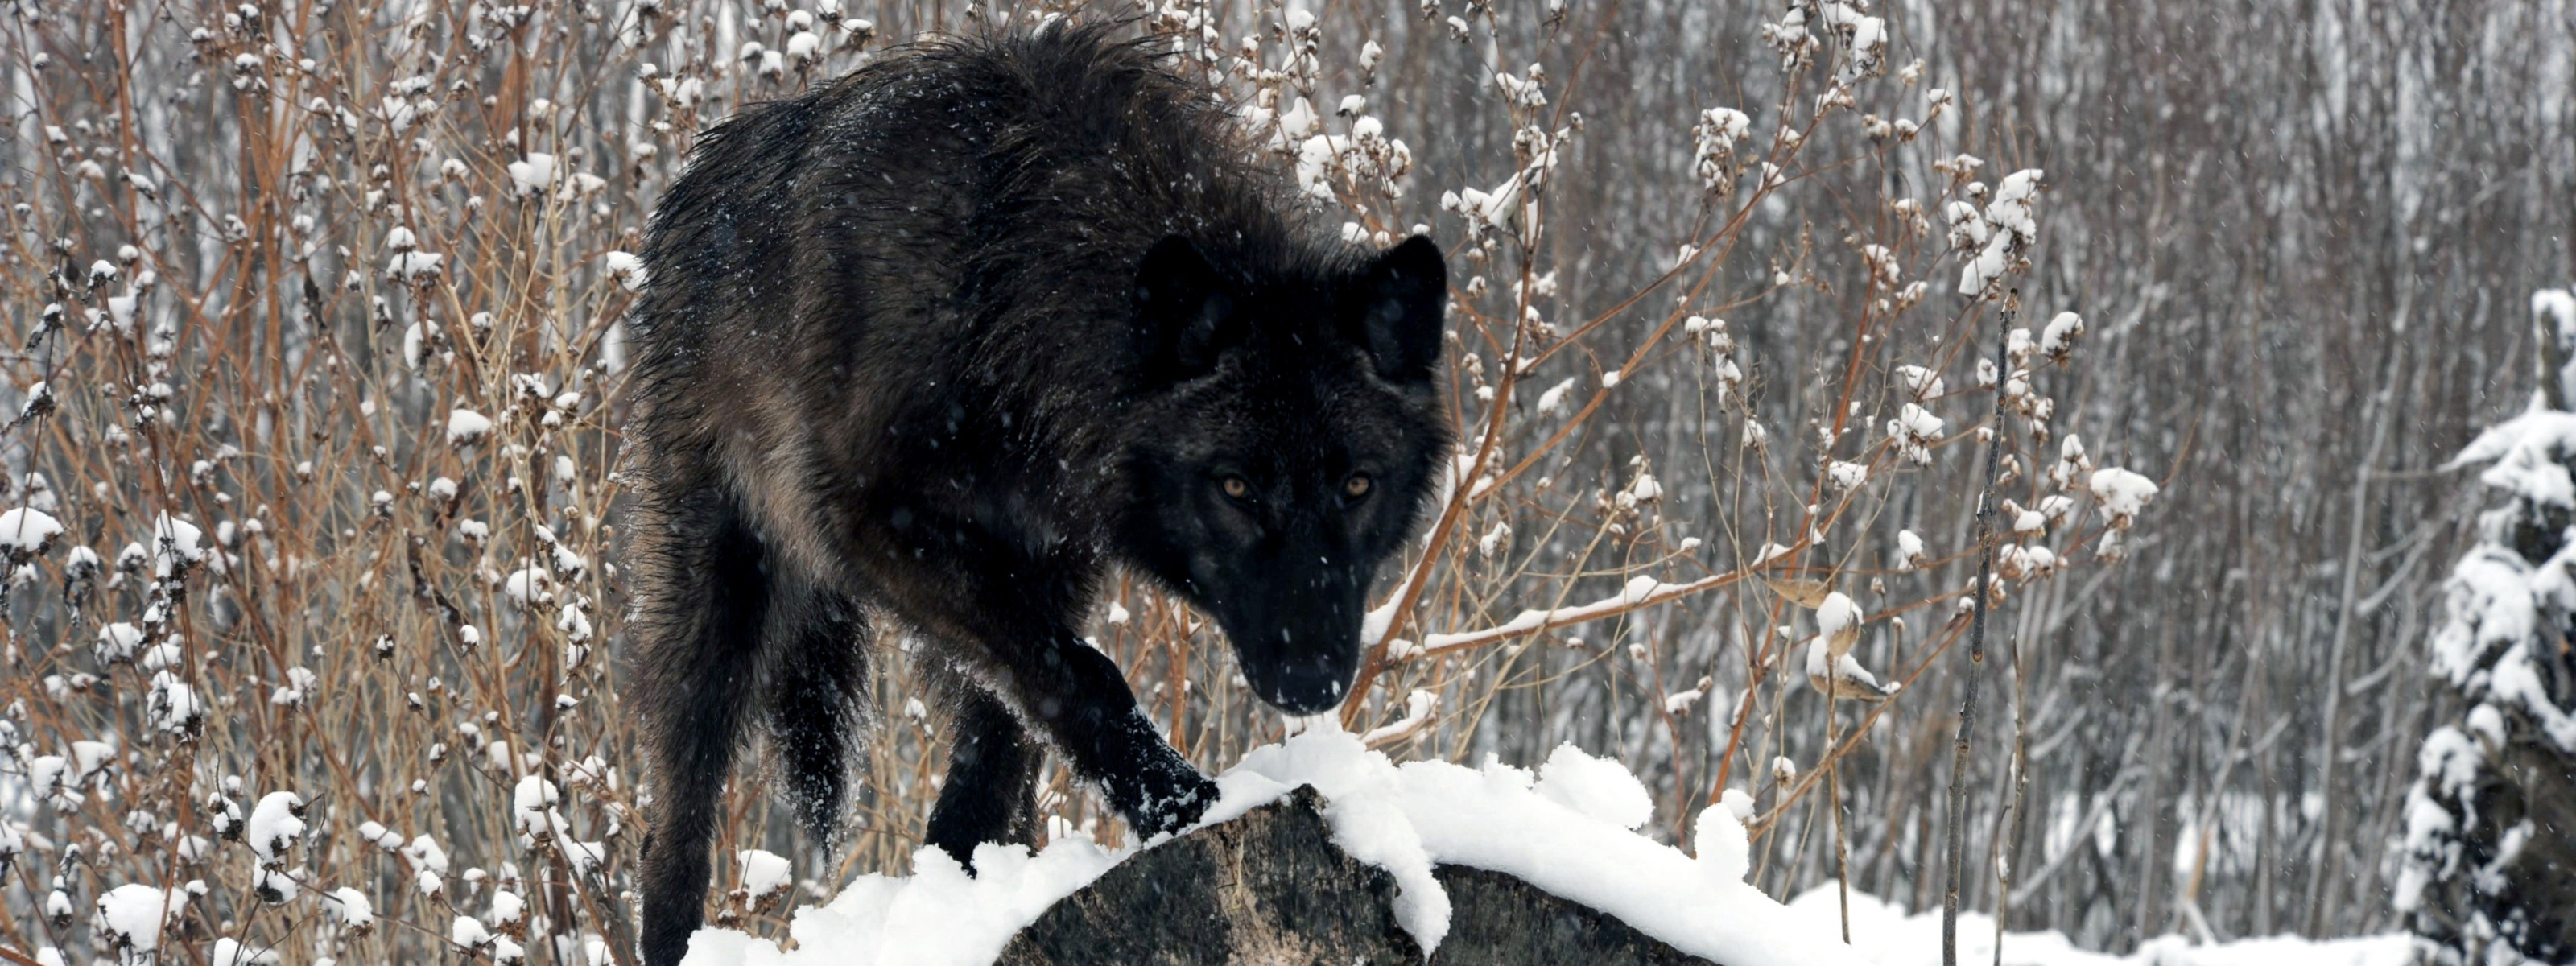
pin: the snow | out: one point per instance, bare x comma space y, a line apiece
1553, 400
468, 932
1565, 829
275, 825
2054, 508
1299, 120
574, 624
1869, 40
2497, 440
274, 886
2495, 598
231, 952
1598, 788
414, 266
1837, 617
524, 586
1643, 489
2486, 647
2123, 493
300, 685
2006, 228
507, 908
533, 174
1909, 550
1680, 702
117, 642
627, 269
384, 838
174, 705
1847, 476
1485, 212
2060, 334
90, 756
531, 802
1913, 431
25, 532
47, 774
2557, 305
132, 915
1637, 591
2554, 311
939, 915
415, 344
351, 907
1714, 139
1852, 680
1421, 708
39, 396
1884, 935
763, 872
175, 543
2502, 603
465, 426
424, 854
2524, 449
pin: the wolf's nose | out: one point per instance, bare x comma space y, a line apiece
1308, 690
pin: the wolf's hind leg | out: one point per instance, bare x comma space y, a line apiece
817, 686
990, 794
702, 585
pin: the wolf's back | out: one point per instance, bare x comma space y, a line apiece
970, 177
930, 263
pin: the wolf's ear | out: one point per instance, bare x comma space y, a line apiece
1183, 316
1399, 317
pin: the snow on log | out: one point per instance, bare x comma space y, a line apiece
1321, 850
1271, 887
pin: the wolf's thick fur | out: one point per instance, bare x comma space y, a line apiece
939, 343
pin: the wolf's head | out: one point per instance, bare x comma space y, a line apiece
1287, 432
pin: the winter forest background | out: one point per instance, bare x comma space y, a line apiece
312, 310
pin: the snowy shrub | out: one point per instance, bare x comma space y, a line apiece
2483, 875
311, 496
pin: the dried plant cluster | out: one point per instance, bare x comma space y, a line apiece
313, 437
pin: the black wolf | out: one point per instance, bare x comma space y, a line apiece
941, 342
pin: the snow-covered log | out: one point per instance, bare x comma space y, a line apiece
1323, 851
1271, 887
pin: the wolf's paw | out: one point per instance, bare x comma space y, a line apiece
1171, 802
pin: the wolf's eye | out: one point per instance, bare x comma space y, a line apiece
1356, 487
1235, 487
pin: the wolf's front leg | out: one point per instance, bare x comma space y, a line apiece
1076, 695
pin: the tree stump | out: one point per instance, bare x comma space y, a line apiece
1271, 889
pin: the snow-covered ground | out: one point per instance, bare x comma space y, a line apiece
1884, 935
1569, 827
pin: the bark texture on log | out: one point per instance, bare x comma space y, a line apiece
1271, 889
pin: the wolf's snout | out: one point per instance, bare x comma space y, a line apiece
1307, 689
1301, 669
